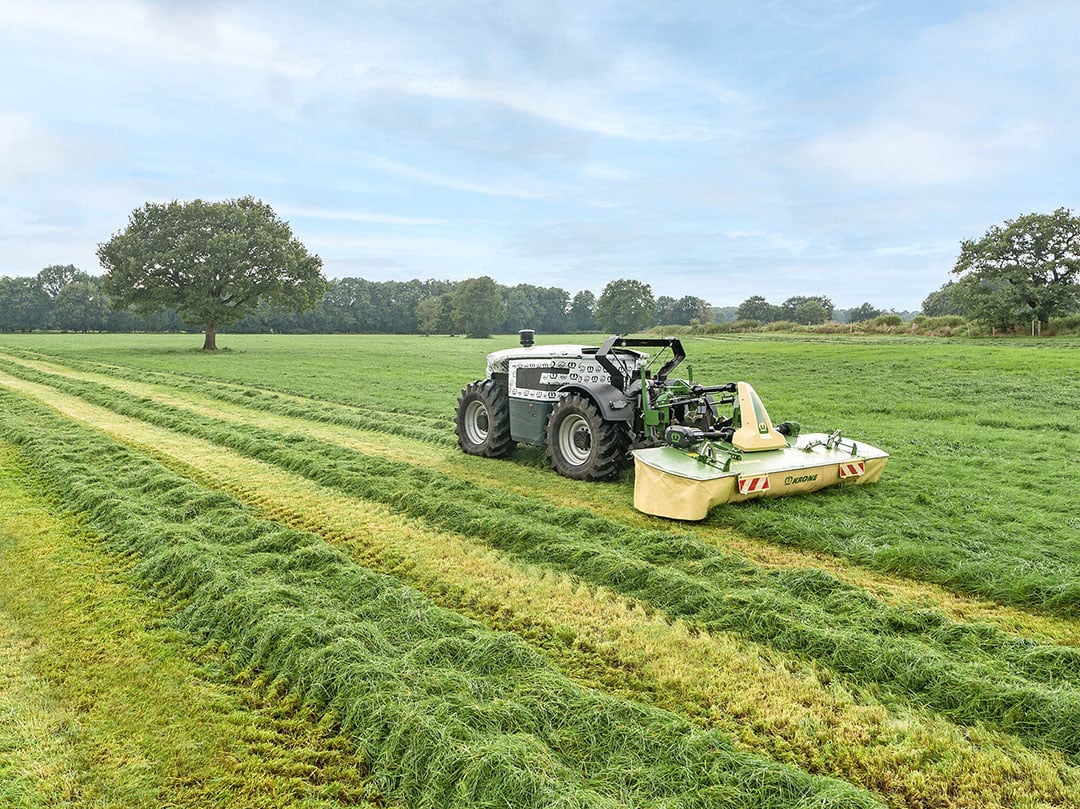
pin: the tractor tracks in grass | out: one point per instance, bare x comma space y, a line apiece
770, 702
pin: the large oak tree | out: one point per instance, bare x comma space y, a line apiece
213, 261
1027, 269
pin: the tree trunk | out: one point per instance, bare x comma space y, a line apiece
210, 342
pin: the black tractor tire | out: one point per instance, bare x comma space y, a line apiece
580, 444
483, 420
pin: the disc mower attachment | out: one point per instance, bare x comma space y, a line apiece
683, 484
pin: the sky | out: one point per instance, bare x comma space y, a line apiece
717, 149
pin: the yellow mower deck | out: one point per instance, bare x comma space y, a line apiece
670, 482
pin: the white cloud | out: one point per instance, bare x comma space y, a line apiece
972, 102
810, 146
598, 171
125, 26
817, 14
356, 216
778, 242
579, 238
520, 188
900, 153
916, 250
382, 257
27, 149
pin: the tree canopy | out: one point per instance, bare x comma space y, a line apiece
1027, 269
583, 311
757, 308
214, 262
55, 277
862, 312
24, 305
945, 301
477, 307
625, 306
685, 311
807, 309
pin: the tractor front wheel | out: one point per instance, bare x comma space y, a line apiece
581, 444
483, 420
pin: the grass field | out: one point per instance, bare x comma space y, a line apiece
267, 577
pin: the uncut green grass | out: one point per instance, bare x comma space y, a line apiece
978, 495
448, 712
970, 673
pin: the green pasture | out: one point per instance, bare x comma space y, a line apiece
976, 505
984, 435
103, 702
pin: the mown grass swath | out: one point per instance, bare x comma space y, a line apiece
448, 712
772, 704
970, 673
978, 495
104, 704
430, 429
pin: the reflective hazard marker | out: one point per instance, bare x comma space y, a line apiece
753, 485
852, 470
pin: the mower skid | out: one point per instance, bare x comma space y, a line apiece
673, 483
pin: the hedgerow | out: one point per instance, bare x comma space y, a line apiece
448, 713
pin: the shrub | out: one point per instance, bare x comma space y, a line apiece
1069, 324
886, 322
729, 327
940, 326
780, 325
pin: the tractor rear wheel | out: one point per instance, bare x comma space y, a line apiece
581, 444
483, 420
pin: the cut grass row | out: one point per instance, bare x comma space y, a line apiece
102, 704
979, 491
970, 673
975, 499
531, 474
771, 703
429, 429
447, 712
609, 501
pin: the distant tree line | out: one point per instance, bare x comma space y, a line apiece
807, 310
63, 298
1023, 273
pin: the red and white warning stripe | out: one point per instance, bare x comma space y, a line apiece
753, 485
852, 470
